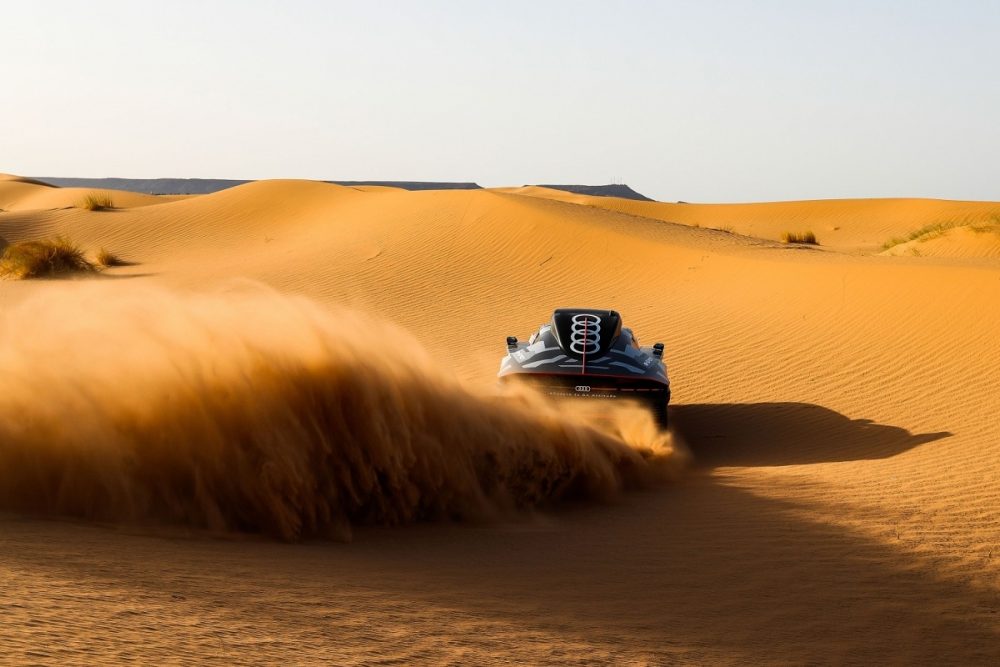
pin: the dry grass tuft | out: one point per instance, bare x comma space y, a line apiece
107, 258
97, 201
44, 259
925, 233
991, 224
799, 237
937, 229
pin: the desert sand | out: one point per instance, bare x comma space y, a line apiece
840, 502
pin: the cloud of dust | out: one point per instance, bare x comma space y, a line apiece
252, 411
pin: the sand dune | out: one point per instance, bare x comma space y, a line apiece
980, 238
21, 194
839, 404
861, 225
201, 186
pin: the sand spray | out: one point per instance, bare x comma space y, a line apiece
248, 410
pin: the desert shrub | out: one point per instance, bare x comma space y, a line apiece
991, 224
42, 259
107, 258
97, 201
799, 237
926, 233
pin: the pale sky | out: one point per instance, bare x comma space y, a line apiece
699, 101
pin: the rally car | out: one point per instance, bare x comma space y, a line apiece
585, 353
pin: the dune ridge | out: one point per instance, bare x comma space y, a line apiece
199, 186
851, 225
26, 194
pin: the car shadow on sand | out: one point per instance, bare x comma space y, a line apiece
778, 434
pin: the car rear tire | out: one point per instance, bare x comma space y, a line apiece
658, 407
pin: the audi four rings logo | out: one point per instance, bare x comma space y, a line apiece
582, 387
585, 336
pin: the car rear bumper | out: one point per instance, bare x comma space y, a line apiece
592, 386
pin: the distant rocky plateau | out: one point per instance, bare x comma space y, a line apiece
201, 186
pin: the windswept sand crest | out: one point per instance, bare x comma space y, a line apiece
844, 224
29, 195
976, 239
